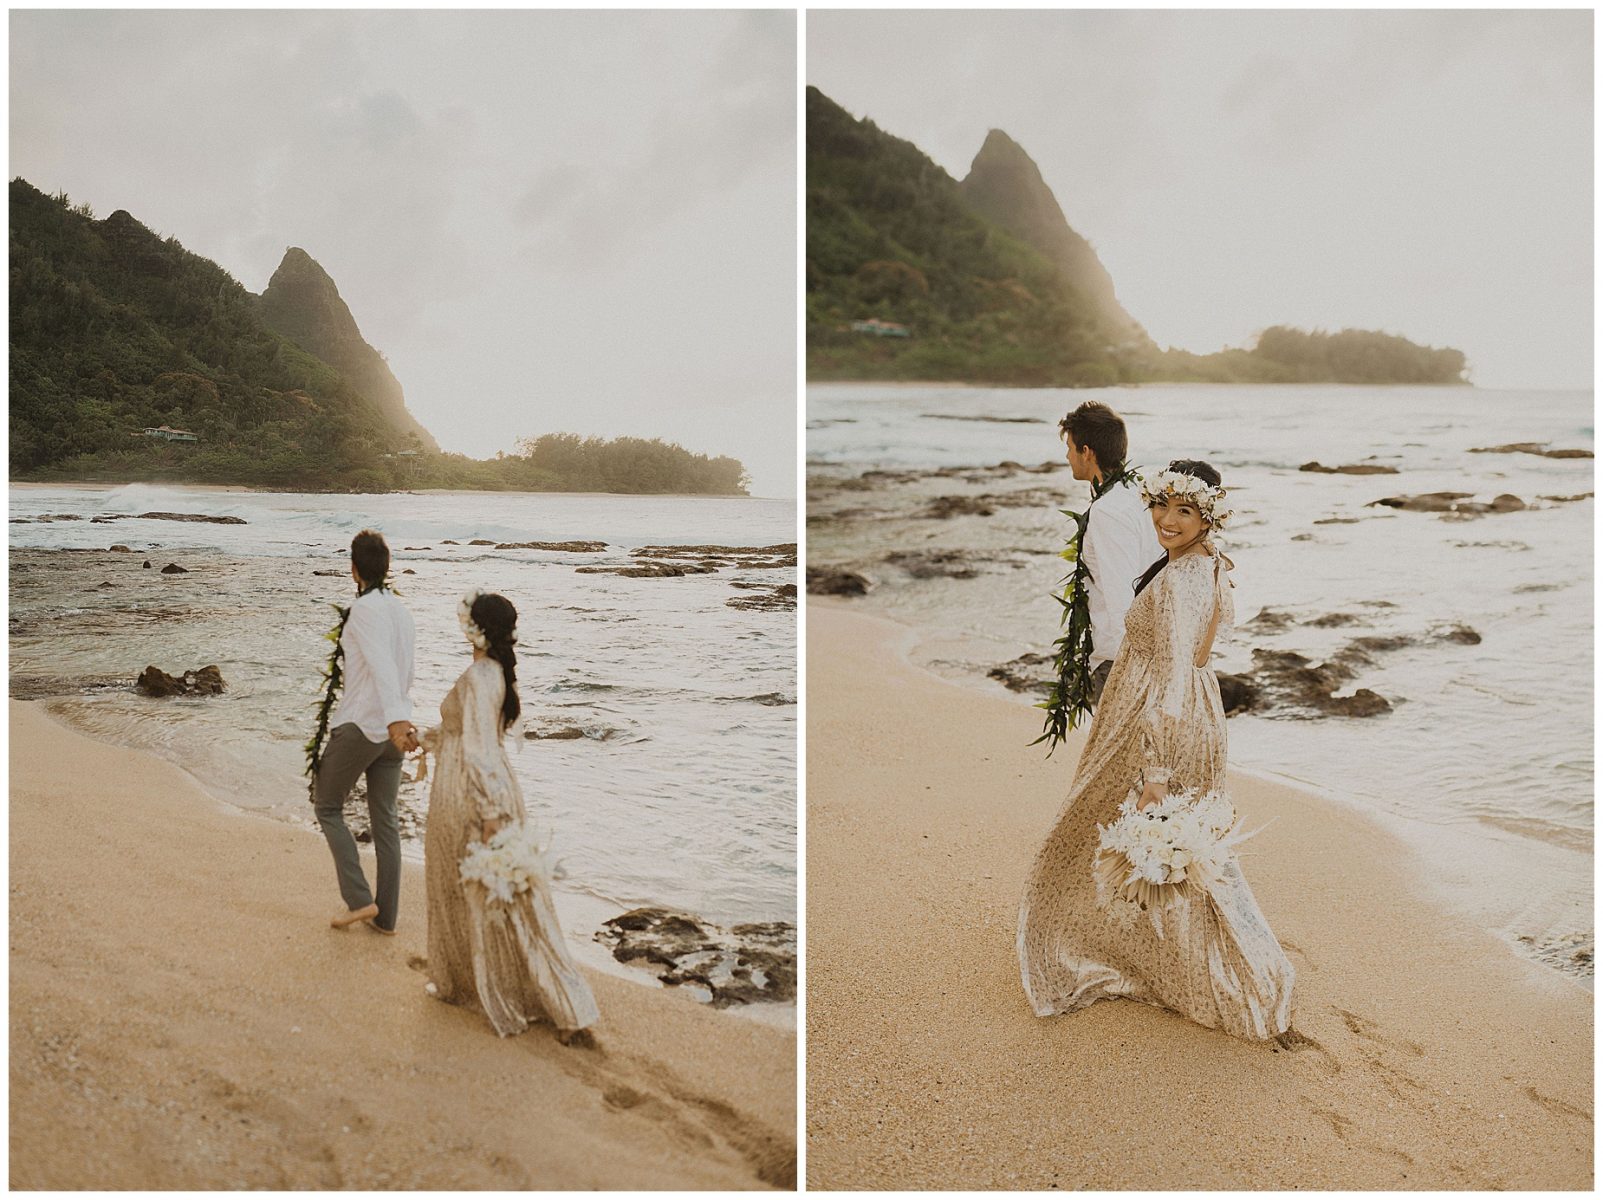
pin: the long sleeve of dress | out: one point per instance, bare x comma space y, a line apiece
1184, 605
489, 779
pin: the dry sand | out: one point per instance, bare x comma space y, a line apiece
1436, 1058
182, 1016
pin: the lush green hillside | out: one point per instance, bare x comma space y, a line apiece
889, 236
115, 329
987, 282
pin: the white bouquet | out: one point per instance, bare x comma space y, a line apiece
508, 863
1151, 857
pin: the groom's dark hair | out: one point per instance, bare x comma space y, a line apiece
370, 555
1098, 427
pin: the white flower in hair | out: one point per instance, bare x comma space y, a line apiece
1187, 489
464, 617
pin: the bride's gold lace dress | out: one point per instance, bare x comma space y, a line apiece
509, 959
1217, 961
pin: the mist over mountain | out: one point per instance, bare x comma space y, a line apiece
302, 303
1005, 186
913, 275
134, 359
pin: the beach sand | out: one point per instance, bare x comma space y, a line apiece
183, 1017
1435, 1057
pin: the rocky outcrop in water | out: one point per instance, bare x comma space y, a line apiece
1350, 469
174, 569
779, 599
741, 965
1451, 503
153, 681
568, 547
832, 581
1539, 448
191, 518
653, 570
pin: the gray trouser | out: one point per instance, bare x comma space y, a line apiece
1099, 680
346, 757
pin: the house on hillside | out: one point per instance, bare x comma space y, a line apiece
169, 434
881, 328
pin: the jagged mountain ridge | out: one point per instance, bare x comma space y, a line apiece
115, 329
913, 276
302, 302
1005, 186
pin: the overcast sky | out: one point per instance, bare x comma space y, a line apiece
546, 220
1425, 173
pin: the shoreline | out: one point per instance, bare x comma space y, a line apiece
112, 485
1187, 383
1433, 1058
244, 1043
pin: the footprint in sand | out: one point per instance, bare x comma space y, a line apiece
1365, 1028
1294, 1042
1554, 1105
417, 962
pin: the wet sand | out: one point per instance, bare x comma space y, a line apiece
1434, 1058
183, 1017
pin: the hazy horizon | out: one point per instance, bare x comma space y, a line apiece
1428, 174
547, 221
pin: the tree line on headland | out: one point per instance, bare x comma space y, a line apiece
116, 330
914, 275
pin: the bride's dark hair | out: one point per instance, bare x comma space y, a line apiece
1198, 469
499, 620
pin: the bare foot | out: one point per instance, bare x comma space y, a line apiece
351, 916
579, 1039
372, 923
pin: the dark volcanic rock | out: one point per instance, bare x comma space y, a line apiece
153, 681
481, 542
147, 565
653, 570
120, 549
944, 507
1539, 448
1452, 504
573, 547
741, 965
1237, 692
1568, 499
1029, 672
174, 569
1350, 469
831, 581
780, 599
199, 517
934, 564
1270, 621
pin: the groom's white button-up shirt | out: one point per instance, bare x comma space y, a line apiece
378, 643
1120, 544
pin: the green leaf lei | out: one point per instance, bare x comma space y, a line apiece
334, 674
1070, 696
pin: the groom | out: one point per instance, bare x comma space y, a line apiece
371, 733
1119, 541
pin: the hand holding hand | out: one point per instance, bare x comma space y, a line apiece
403, 735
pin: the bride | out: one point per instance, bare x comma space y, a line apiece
507, 956
1160, 728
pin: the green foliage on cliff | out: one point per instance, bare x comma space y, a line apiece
889, 236
115, 329
892, 236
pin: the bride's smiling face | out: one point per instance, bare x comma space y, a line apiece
1178, 523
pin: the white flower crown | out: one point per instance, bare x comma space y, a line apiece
464, 618
1188, 489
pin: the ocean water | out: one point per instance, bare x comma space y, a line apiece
1485, 761
682, 792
